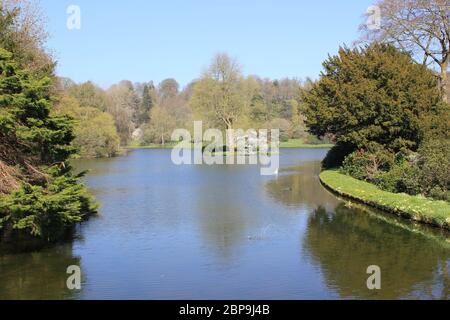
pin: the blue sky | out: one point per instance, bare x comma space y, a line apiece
143, 40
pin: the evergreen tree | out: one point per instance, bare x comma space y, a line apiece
40, 195
146, 106
371, 98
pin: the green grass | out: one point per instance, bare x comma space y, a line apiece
168, 145
299, 143
291, 143
417, 208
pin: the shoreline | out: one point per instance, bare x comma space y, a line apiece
420, 209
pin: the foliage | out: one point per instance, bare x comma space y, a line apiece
95, 132
218, 97
400, 178
367, 165
123, 103
418, 26
36, 144
433, 167
416, 208
426, 172
47, 211
88, 95
284, 126
160, 128
23, 34
143, 114
374, 94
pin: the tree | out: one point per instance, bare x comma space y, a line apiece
42, 197
218, 95
147, 103
123, 103
419, 26
95, 132
22, 32
88, 95
168, 89
373, 96
161, 126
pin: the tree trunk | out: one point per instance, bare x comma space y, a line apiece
444, 80
230, 138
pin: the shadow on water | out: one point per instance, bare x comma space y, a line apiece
37, 275
299, 186
345, 242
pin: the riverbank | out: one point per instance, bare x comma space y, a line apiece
299, 143
417, 208
291, 143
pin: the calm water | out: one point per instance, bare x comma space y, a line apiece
226, 232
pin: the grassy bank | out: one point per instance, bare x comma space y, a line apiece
291, 143
168, 145
417, 208
299, 143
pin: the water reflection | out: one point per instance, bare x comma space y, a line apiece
345, 242
226, 205
39, 275
226, 232
299, 186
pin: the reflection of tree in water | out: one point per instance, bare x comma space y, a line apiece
346, 242
301, 188
223, 226
37, 275
224, 209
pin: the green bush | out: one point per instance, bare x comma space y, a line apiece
400, 178
426, 172
368, 165
434, 164
440, 194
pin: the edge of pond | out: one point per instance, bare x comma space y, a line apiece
411, 214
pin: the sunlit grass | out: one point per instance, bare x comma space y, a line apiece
291, 143
417, 208
299, 143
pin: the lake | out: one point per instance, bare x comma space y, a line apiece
226, 232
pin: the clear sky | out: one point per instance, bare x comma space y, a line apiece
142, 40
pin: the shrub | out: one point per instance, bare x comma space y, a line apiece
367, 165
434, 164
440, 194
398, 179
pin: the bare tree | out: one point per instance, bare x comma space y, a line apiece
123, 102
421, 27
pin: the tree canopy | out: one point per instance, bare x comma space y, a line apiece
375, 95
421, 27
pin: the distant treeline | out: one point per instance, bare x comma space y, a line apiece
145, 113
